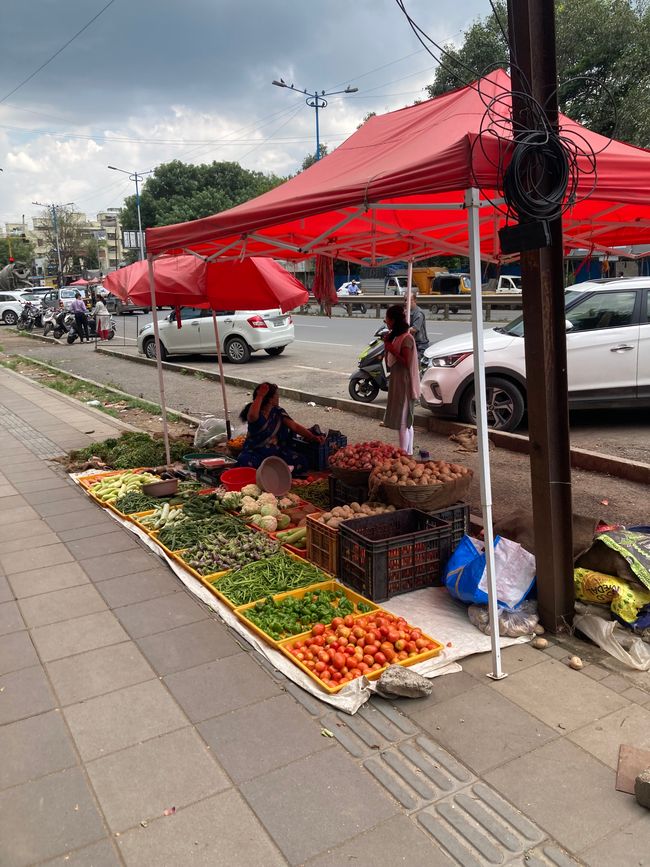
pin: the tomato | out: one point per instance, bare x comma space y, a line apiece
375, 666
348, 620
336, 675
380, 658
383, 631
349, 651
413, 653
330, 639
320, 667
311, 665
326, 676
344, 631
358, 632
368, 660
343, 642
338, 661
393, 636
318, 629
415, 634
371, 649
410, 646
402, 655
421, 643
338, 621
370, 637
300, 655
363, 667
400, 644
323, 656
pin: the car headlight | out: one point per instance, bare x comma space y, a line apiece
449, 360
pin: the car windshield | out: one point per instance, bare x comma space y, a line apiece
516, 327
68, 293
28, 296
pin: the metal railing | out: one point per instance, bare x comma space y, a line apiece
443, 304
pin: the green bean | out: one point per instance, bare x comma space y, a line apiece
267, 577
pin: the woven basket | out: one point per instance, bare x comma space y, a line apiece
428, 498
355, 478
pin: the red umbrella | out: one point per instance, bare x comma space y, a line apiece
179, 283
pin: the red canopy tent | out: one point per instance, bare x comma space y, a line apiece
406, 186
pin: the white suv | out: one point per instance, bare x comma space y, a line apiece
608, 352
240, 334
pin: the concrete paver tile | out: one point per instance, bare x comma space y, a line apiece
160, 614
443, 688
20, 474
41, 539
615, 682
7, 504
397, 841
26, 531
217, 687
7, 491
116, 565
129, 589
86, 675
17, 516
570, 701
545, 784
16, 652
7, 594
80, 516
69, 501
61, 605
89, 532
24, 693
629, 725
34, 747
350, 803
41, 485
104, 543
640, 696
257, 728
629, 845
513, 658
45, 580
10, 619
122, 718
49, 496
483, 728
187, 646
219, 830
76, 636
173, 769
100, 854
35, 558
47, 817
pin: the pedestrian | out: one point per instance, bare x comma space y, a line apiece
102, 319
404, 381
418, 324
80, 317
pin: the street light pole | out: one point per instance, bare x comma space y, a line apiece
136, 177
315, 100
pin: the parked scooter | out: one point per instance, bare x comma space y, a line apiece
57, 322
73, 334
29, 317
373, 373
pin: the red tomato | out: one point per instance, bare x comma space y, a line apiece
338, 661
421, 643
338, 621
370, 637
402, 655
318, 629
320, 667
323, 656
400, 644
415, 634
368, 660
336, 675
343, 642
358, 632
383, 631
330, 639
393, 636
348, 620
380, 658
410, 646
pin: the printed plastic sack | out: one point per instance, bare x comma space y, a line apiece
628, 602
466, 577
512, 622
210, 432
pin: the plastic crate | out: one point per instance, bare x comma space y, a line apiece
322, 545
458, 517
342, 494
318, 455
396, 552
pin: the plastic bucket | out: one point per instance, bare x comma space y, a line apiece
273, 475
236, 479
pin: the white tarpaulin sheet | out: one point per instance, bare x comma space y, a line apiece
432, 610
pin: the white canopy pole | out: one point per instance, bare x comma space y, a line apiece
472, 202
156, 335
409, 280
221, 376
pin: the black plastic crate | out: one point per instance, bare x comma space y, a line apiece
342, 494
458, 518
318, 455
396, 552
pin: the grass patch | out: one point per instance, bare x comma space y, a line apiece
67, 384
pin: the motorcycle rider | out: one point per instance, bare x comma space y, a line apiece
418, 325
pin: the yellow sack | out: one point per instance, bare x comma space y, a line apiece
596, 587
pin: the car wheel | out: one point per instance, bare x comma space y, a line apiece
149, 349
275, 350
505, 404
237, 350
364, 390
9, 317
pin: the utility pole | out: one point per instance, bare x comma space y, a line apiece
136, 177
531, 27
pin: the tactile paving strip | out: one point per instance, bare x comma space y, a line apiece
38, 444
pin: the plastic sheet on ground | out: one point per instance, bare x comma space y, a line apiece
595, 622
431, 609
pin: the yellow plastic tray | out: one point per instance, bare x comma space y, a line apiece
330, 584
413, 660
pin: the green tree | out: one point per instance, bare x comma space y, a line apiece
21, 251
310, 159
91, 254
367, 117
70, 226
598, 41
179, 191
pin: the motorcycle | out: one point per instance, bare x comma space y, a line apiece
57, 322
73, 334
29, 317
349, 290
373, 373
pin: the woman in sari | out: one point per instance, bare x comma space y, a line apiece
271, 431
404, 382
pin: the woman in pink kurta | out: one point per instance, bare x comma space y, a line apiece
404, 382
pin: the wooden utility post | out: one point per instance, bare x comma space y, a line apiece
531, 28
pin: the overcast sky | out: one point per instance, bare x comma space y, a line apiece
155, 80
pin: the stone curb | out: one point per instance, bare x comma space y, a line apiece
581, 459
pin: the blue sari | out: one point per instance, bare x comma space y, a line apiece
270, 437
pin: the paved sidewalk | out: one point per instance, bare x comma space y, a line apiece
123, 697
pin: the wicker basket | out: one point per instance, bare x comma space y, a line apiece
426, 497
354, 478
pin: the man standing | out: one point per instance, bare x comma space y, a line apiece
418, 325
80, 317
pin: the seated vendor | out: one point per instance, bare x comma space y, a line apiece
271, 431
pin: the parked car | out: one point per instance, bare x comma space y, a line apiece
116, 305
65, 295
505, 283
240, 334
608, 352
12, 303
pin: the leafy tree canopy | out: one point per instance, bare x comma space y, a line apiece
310, 159
178, 191
597, 41
21, 251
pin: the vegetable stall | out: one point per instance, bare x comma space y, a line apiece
310, 583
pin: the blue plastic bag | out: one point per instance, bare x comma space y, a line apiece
466, 578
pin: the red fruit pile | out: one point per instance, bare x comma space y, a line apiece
364, 456
351, 646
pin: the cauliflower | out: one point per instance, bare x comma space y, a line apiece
251, 491
267, 509
268, 523
249, 506
283, 522
231, 500
267, 498
285, 503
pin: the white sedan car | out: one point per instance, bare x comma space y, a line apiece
12, 303
240, 334
608, 354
